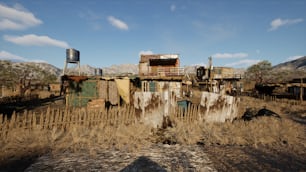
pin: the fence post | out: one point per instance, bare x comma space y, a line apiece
24, 121
33, 121
12, 121
301, 90
5, 126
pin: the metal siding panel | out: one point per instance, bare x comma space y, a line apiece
81, 97
102, 89
113, 93
152, 86
183, 104
143, 68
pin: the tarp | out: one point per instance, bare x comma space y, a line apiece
123, 86
219, 108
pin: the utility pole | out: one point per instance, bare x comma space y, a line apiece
210, 72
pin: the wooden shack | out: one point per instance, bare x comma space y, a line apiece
160, 65
81, 90
297, 88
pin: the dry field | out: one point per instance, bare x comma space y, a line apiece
31, 139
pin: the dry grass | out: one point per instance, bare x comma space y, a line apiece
267, 131
91, 131
21, 143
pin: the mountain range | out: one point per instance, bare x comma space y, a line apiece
37, 70
297, 64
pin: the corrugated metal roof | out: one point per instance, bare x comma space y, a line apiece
146, 57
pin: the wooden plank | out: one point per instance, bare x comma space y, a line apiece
12, 121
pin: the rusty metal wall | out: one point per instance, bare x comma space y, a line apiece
143, 69
79, 94
107, 90
218, 108
102, 89
113, 96
161, 86
153, 106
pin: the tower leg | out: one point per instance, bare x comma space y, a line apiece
65, 67
79, 68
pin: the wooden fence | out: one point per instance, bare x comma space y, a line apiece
187, 115
281, 100
65, 118
61, 118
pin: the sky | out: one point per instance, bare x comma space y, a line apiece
235, 33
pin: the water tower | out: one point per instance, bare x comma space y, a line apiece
73, 57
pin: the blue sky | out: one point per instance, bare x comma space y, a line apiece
236, 33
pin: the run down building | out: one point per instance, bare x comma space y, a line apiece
154, 93
96, 91
162, 81
297, 88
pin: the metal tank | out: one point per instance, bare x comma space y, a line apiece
200, 73
98, 71
72, 55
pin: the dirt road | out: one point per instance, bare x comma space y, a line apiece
162, 157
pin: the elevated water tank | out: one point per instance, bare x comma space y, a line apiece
98, 72
72, 55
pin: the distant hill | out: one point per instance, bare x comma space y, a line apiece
288, 71
112, 70
121, 69
12, 72
297, 64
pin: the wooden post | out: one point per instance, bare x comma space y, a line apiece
301, 90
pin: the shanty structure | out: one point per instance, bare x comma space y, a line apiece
225, 73
297, 88
160, 66
96, 91
294, 89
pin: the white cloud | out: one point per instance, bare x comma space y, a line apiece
9, 56
35, 40
243, 63
92, 19
172, 8
16, 18
117, 23
145, 52
230, 55
293, 58
276, 23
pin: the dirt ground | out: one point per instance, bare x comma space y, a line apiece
164, 157
167, 158
248, 158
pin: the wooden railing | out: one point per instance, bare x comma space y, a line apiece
170, 71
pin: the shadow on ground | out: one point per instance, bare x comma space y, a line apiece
143, 164
19, 164
246, 158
